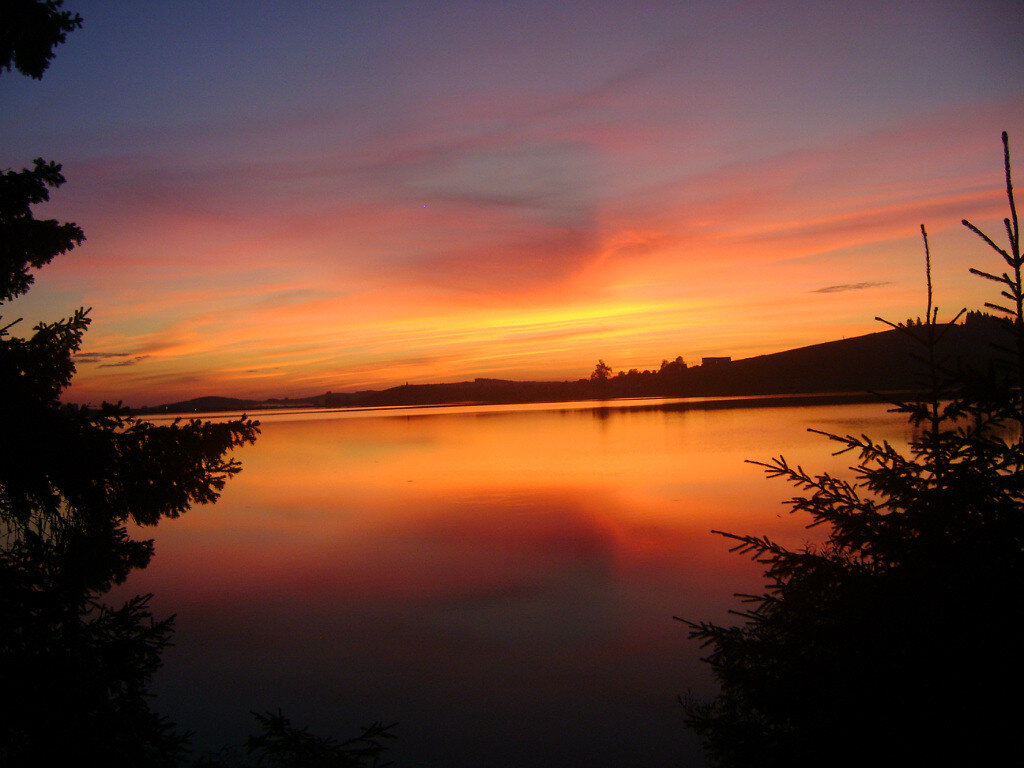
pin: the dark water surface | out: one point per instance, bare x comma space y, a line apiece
500, 581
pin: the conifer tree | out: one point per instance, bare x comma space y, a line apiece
898, 641
75, 668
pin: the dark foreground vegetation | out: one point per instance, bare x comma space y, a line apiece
899, 641
75, 668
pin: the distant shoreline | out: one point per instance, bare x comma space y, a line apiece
609, 404
842, 370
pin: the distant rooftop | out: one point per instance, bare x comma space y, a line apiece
707, 361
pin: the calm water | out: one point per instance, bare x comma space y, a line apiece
500, 581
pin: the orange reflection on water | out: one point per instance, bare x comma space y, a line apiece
486, 559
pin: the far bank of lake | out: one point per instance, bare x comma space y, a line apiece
876, 362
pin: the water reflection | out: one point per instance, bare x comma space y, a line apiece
500, 581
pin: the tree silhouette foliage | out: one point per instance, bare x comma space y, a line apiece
76, 668
280, 744
898, 641
601, 373
72, 479
31, 29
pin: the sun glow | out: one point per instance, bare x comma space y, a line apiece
634, 199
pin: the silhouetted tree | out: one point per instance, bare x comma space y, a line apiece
675, 366
601, 373
898, 641
75, 669
279, 744
29, 32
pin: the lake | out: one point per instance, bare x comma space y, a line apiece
500, 581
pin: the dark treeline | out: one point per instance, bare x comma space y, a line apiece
876, 362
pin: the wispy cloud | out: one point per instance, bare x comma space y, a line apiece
531, 199
849, 287
124, 363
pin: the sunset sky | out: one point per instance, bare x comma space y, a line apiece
284, 198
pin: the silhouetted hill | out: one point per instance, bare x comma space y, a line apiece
205, 405
476, 391
875, 362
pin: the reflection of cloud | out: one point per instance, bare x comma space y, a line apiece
472, 597
849, 287
516, 555
555, 528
